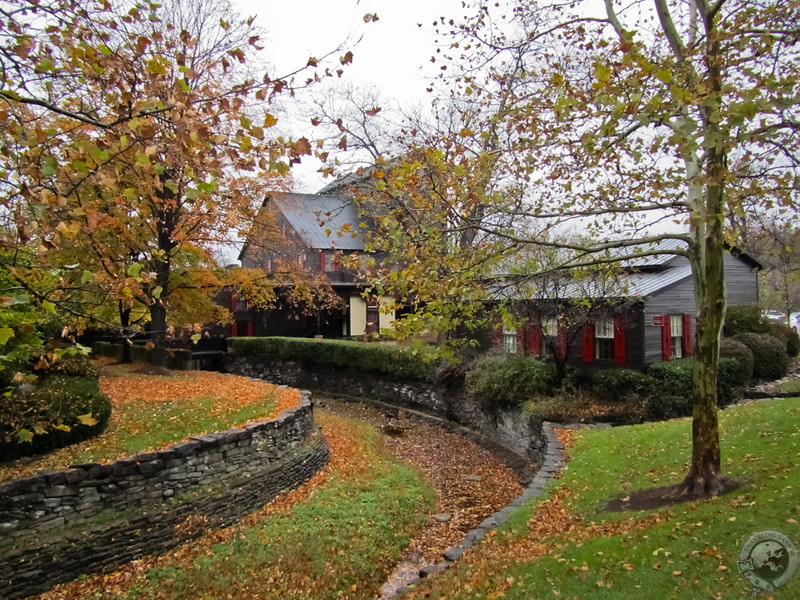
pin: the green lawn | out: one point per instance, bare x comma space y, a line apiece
688, 550
791, 387
340, 540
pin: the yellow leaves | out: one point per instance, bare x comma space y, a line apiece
87, 420
664, 75
157, 65
602, 72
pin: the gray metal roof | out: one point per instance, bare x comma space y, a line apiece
322, 222
624, 285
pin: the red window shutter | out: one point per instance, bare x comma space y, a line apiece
233, 301
521, 340
620, 340
666, 346
534, 339
336, 262
588, 342
249, 329
234, 330
322, 261
688, 337
561, 343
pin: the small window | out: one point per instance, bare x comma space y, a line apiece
549, 334
676, 336
510, 340
241, 304
604, 339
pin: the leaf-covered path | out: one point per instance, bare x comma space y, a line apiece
471, 483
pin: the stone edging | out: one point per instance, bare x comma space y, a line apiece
553, 461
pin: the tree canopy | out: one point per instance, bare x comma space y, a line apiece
649, 121
135, 140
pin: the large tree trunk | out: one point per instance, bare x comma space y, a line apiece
707, 258
166, 224
704, 477
125, 323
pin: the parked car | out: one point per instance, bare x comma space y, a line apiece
775, 316
794, 321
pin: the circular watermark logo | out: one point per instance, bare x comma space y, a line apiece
768, 560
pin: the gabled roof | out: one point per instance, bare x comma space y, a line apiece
641, 277
322, 222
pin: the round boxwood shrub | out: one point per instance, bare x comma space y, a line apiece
770, 360
621, 384
731, 348
508, 379
672, 391
59, 411
787, 335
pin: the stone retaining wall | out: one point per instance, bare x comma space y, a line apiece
507, 426
55, 526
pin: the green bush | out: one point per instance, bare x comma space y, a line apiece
621, 384
770, 360
787, 335
416, 363
745, 319
731, 348
508, 380
672, 392
59, 411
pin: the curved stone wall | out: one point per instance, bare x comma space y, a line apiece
57, 525
509, 427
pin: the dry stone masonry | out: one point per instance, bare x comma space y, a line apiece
508, 427
57, 525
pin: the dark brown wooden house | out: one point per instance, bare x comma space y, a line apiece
323, 236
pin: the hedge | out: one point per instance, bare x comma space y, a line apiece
416, 363
508, 380
770, 360
618, 385
52, 412
177, 359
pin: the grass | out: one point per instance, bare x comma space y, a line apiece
151, 412
567, 545
790, 387
337, 539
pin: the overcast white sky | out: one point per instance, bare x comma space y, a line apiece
393, 53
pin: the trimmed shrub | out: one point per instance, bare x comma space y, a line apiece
508, 380
672, 391
731, 348
622, 384
728, 376
745, 319
787, 335
61, 410
770, 360
415, 363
